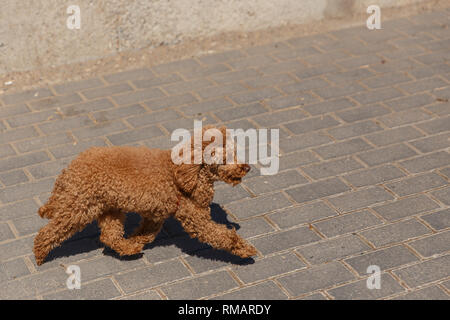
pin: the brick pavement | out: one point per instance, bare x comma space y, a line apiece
364, 121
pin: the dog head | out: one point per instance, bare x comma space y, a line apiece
217, 149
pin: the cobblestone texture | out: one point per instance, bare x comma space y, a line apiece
364, 169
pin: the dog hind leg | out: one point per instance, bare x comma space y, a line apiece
112, 230
147, 231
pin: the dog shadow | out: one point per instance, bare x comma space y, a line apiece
172, 233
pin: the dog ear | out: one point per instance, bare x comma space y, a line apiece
186, 176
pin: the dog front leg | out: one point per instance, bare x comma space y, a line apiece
198, 224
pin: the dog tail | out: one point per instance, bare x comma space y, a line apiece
46, 211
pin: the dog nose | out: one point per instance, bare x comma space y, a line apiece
247, 168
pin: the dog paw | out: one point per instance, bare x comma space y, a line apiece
244, 250
131, 248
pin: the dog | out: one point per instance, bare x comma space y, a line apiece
105, 183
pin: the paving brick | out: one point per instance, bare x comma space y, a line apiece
331, 168
270, 80
251, 62
320, 277
13, 177
357, 62
211, 59
438, 220
374, 176
73, 86
17, 134
329, 250
255, 95
386, 80
362, 113
263, 291
339, 90
445, 172
254, 227
314, 296
106, 91
308, 213
429, 71
268, 267
5, 232
297, 159
152, 118
311, 124
34, 117
410, 102
433, 143
23, 160
395, 232
298, 99
146, 295
265, 184
202, 107
355, 129
347, 223
275, 118
304, 85
49, 169
423, 85
290, 54
72, 149
13, 269
281, 67
284, 240
406, 207
29, 225
329, 106
228, 194
34, 94
256, 206
349, 76
131, 136
386, 154
172, 101
234, 76
240, 112
359, 291
98, 290
377, 95
211, 259
99, 129
431, 245
185, 86
19, 209
427, 162
15, 248
342, 148
185, 64
385, 259
134, 74
425, 272
6, 150
360, 199
318, 59
152, 276
55, 101
138, 96
323, 69
119, 113
436, 126
200, 287
205, 71
404, 117
303, 141
25, 190
433, 58
417, 184
86, 107
392, 136
429, 293
6, 112
317, 190
157, 81
219, 91
65, 124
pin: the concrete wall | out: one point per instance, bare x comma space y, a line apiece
33, 33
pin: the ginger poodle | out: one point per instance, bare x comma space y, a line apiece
104, 183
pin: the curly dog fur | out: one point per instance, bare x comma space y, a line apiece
104, 183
